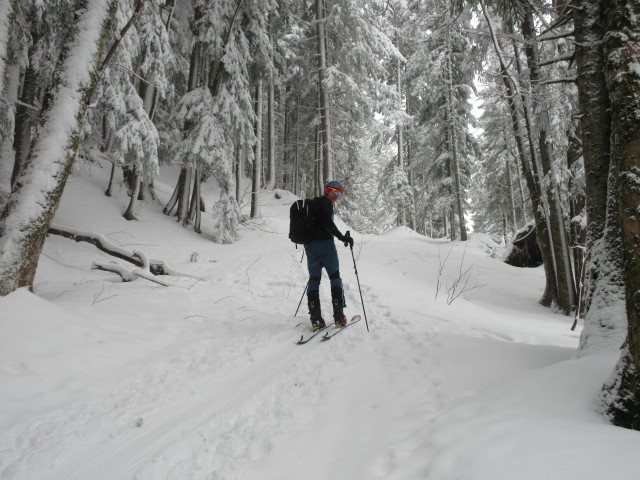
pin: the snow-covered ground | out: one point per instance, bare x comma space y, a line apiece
101, 379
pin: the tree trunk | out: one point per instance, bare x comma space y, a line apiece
270, 184
512, 202
318, 181
287, 174
182, 191
177, 193
577, 208
402, 214
605, 319
27, 216
129, 214
296, 168
323, 95
453, 142
564, 273
24, 120
194, 207
183, 201
559, 246
412, 214
520, 120
240, 153
6, 6
7, 152
621, 53
105, 147
538, 195
452, 221
257, 162
541, 235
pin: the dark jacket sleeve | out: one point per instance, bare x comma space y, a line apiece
324, 221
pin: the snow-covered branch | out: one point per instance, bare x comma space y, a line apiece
128, 275
137, 258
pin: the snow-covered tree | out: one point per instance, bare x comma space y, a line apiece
350, 82
133, 79
215, 116
32, 35
440, 77
26, 217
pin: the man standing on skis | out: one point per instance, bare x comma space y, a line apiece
321, 253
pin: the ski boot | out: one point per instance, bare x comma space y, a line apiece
337, 300
315, 314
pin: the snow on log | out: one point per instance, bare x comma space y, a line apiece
135, 257
126, 275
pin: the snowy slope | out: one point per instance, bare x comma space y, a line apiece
101, 379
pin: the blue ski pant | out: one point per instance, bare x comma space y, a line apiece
322, 254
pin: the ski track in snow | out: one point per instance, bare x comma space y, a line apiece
207, 414
190, 418
233, 397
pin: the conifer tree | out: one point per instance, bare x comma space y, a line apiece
441, 81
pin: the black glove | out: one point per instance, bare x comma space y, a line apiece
348, 241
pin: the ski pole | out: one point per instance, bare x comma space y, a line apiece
355, 268
307, 285
303, 292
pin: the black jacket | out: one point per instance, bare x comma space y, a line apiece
323, 221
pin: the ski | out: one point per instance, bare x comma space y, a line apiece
303, 340
328, 336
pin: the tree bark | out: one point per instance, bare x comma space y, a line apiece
296, 173
323, 95
402, 215
177, 193
240, 153
539, 200
453, 142
605, 320
270, 184
8, 99
256, 179
559, 245
577, 206
6, 26
183, 201
194, 207
518, 121
621, 53
182, 192
26, 114
512, 202
129, 214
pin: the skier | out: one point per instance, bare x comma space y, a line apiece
321, 253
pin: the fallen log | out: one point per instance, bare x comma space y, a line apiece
128, 275
137, 258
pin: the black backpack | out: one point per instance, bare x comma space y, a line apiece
301, 220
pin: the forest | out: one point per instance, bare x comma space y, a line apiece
382, 95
